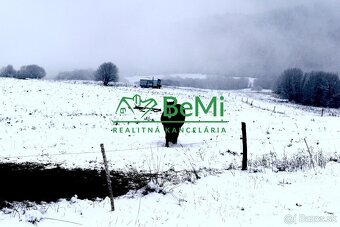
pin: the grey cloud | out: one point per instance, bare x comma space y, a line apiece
152, 36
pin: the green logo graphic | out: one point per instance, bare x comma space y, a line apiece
136, 103
212, 111
214, 108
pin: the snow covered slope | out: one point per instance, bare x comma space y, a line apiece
57, 121
64, 123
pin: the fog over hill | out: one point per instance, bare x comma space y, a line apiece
305, 36
242, 38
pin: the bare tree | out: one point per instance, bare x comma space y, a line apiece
31, 71
107, 72
8, 71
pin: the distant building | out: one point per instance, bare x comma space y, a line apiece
146, 83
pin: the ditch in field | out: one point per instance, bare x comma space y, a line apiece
46, 182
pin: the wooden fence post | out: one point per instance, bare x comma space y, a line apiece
108, 179
310, 154
244, 143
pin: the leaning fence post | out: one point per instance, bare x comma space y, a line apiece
244, 143
310, 154
108, 179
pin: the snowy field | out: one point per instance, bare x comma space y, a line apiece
64, 123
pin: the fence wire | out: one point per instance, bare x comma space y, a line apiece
49, 155
107, 151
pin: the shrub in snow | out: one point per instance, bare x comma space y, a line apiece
299, 161
31, 71
8, 71
33, 216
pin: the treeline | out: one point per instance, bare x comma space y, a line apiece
313, 88
80, 74
26, 71
210, 82
106, 72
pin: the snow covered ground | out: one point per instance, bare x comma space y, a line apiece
64, 123
233, 198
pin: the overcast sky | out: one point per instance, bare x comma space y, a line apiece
170, 36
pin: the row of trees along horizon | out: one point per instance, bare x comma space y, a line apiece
312, 88
315, 88
106, 72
